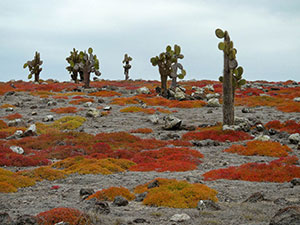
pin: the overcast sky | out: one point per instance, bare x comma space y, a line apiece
266, 34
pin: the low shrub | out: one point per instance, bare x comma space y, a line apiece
109, 194
176, 194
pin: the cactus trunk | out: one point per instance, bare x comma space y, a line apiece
37, 77
86, 78
228, 107
164, 89
174, 83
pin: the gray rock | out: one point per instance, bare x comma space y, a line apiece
153, 119
18, 134
214, 102
26, 220
260, 127
86, 192
17, 149
16, 123
140, 220
97, 207
294, 138
141, 197
143, 90
5, 219
208, 204
93, 112
214, 95
209, 87
33, 113
230, 127
51, 103
295, 182
120, 201
287, 216
153, 184
256, 197
180, 217
171, 122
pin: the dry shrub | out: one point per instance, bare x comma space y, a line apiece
10, 181
13, 116
64, 110
176, 194
43, 173
83, 165
142, 131
68, 215
262, 148
133, 109
109, 194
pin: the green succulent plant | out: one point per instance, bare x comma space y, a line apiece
74, 59
168, 66
34, 67
232, 75
127, 66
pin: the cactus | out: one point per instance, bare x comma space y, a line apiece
232, 76
88, 64
34, 67
127, 66
73, 59
168, 66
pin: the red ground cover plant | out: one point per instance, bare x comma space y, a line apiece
280, 171
3, 124
61, 110
13, 116
64, 151
68, 215
105, 94
217, 134
142, 131
262, 148
289, 126
176, 194
110, 193
167, 159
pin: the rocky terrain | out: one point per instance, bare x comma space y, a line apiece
239, 202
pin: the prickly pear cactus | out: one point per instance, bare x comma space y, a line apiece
73, 59
168, 66
127, 66
34, 67
88, 64
232, 76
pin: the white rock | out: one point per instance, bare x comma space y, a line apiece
153, 119
48, 118
171, 122
143, 90
10, 109
179, 95
180, 217
209, 87
92, 112
31, 130
262, 138
18, 133
297, 99
88, 104
294, 138
17, 149
214, 102
232, 127
107, 108
215, 95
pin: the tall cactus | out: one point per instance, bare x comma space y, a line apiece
34, 67
88, 64
127, 66
232, 76
73, 59
168, 65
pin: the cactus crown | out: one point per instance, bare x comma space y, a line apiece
34, 65
72, 60
168, 61
88, 62
126, 59
230, 51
